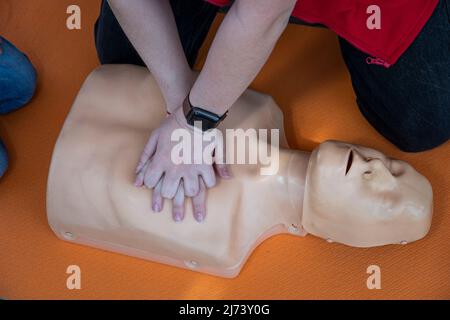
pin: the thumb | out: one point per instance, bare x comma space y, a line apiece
149, 150
220, 165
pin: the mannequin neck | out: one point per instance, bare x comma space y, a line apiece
287, 187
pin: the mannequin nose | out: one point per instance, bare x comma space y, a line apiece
381, 165
372, 164
375, 161
358, 157
378, 173
378, 164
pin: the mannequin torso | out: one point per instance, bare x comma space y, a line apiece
92, 200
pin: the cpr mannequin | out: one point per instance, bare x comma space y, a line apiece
340, 192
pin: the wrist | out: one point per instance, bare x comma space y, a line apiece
179, 91
174, 102
201, 99
180, 118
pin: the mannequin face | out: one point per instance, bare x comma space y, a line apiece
358, 196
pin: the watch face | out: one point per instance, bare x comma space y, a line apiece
207, 119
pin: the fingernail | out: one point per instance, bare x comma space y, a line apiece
226, 173
139, 167
156, 207
177, 216
199, 216
137, 182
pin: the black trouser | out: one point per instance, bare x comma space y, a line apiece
409, 103
193, 19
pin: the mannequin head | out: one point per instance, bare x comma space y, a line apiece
358, 196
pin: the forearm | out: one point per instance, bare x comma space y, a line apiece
242, 45
151, 28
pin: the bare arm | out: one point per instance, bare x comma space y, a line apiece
151, 28
241, 47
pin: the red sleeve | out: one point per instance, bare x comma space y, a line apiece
219, 3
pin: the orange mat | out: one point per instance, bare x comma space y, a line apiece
307, 78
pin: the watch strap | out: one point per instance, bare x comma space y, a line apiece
208, 119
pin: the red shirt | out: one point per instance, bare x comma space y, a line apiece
401, 22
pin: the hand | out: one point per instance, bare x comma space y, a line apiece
158, 171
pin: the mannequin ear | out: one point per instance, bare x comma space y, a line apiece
297, 230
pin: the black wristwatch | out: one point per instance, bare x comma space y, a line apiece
208, 119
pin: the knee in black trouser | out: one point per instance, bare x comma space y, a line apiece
420, 138
111, 42
193, 20
408, 133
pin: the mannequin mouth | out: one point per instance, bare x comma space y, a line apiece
349, 161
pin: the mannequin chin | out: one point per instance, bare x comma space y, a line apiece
359, 197
339, 192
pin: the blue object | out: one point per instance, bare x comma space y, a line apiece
17, 86
3, 159
17, 78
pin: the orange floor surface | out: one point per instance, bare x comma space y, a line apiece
308, 79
